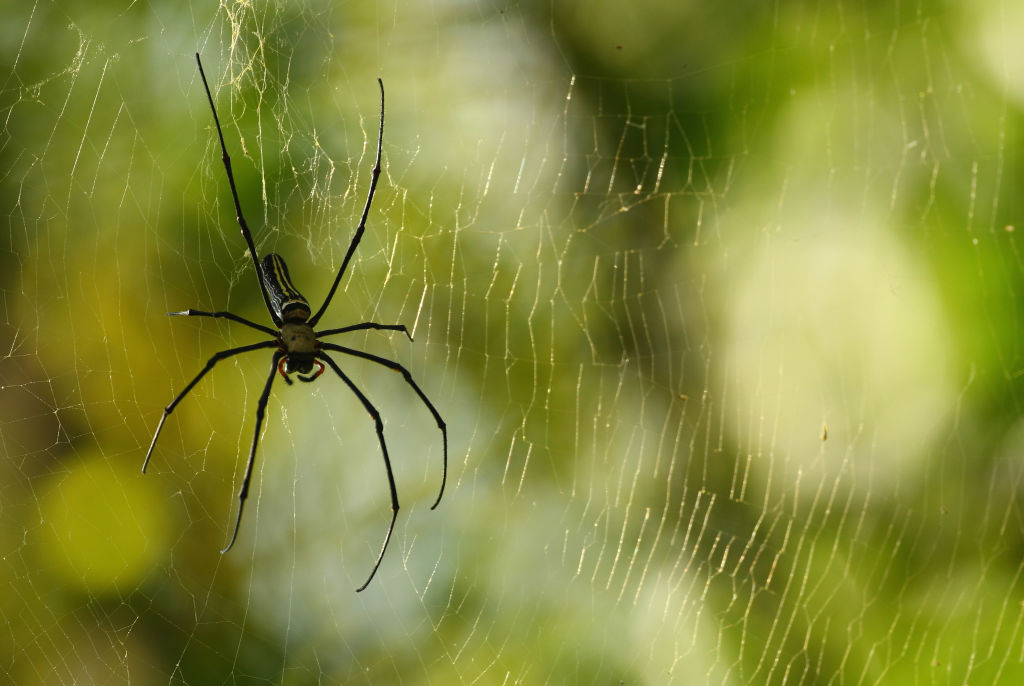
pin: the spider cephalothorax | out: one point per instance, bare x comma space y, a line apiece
296, 343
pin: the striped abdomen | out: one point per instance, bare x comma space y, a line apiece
288, 303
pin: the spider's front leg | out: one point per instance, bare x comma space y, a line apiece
379, 426
209, 365
261, 408
394, 366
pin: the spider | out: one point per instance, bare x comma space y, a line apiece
298, 348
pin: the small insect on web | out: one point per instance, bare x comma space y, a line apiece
297, 346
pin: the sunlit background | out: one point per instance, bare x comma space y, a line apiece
720, 303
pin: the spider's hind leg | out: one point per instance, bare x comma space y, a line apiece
364, 326
224, 315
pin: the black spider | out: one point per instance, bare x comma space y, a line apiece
297, 346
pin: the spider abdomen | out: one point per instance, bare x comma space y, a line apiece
288, 303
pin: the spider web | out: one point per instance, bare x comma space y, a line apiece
720, 307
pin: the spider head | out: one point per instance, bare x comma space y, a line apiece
296, 363
300, 364
298, 342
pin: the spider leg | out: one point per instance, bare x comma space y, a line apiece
408, 379
225, 315
366, 325
246, 234
362, 221
209, 365
261, 408
375, 415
